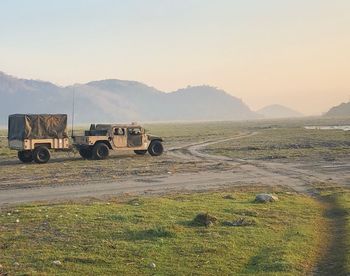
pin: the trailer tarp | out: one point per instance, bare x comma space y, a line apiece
37, 126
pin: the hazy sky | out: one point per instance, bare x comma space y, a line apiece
292, 52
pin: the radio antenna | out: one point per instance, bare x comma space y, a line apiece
73, 106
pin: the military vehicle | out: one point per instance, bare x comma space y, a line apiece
34, 135
101, 138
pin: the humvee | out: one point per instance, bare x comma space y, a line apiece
101, 138
34, 135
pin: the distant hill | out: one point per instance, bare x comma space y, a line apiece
339, 110
278, 111
118, 101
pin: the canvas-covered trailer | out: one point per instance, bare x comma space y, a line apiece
33, 135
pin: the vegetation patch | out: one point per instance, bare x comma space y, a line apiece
336, 259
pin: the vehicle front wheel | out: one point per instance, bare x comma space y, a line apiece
140, 152
26, 156
85, 153
155, 148
41, 155
100, 151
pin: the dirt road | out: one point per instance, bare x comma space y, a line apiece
237, 173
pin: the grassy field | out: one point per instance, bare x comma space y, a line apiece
128, 235
287, 143
343, 202
297, 235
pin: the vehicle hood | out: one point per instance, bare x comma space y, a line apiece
154, 137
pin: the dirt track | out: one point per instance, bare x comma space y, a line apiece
298, 177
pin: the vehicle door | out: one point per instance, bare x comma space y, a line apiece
134, 137
119, 137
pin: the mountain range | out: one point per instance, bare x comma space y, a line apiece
119, 101
341, 110
114, 100
278, 111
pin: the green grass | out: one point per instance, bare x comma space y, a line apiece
123, 236
337, 258
342, 211
343, 201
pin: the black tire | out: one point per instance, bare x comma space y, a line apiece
140, 152
26, 156
155, 148
41, 155
85, 153
100, 151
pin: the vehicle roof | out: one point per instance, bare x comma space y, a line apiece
108, 126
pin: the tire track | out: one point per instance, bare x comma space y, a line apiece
299, 179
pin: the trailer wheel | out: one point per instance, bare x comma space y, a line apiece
155, 148
85, 153
140, 152
26, 156
41, 155
100, 151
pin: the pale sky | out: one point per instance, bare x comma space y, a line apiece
291, 52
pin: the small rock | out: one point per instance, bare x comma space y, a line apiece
9, 214
57, 262
17, 220
135, 202
23, 167
152, 265
263, 198
228, 197
16, 264
204, 219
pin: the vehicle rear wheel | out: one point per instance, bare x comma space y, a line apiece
41, 155
140, 152
85, 153
26, 156
100, 151
155, 148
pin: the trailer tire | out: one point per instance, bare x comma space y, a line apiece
155, 148
85, 153
26, 156
140, 152
41, 155
100, 151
